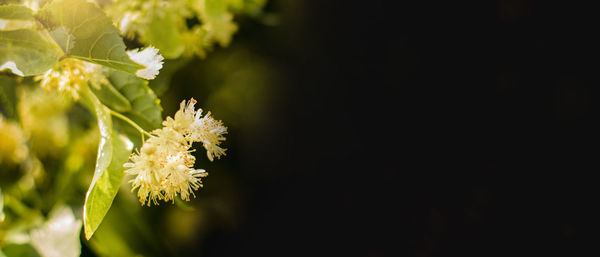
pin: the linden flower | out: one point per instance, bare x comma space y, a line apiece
199, 129
70, 75
149, 58
165, 166
184, 117
210, 132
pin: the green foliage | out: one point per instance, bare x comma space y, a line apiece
145, 106
19, 250
121, 224
181, 27
110, 96
28, 50
84, 32
160, 33
15, 12
101, 193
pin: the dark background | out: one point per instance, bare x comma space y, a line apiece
429, 129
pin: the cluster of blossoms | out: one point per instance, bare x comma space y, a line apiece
70, 75
164, 168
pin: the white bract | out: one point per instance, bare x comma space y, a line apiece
150, 59
12, 66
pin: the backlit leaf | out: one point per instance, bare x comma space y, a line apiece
86, 33
113, 152
15, 12
26, 52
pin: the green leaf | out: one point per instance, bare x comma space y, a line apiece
15, 12
145, 106
111, 239
161, 34
113, 152
20, 250
26, 52
102, 193
84, 32
63, 39
112, 97
122, 224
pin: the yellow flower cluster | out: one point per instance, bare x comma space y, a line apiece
70, 75
164, 168
197, 128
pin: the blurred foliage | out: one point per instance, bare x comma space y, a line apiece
181, 27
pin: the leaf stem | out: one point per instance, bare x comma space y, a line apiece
133, 124
16, 205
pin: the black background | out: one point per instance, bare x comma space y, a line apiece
429, 129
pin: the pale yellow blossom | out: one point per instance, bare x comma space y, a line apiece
70, 75
198, 128
210, 132
164, 168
